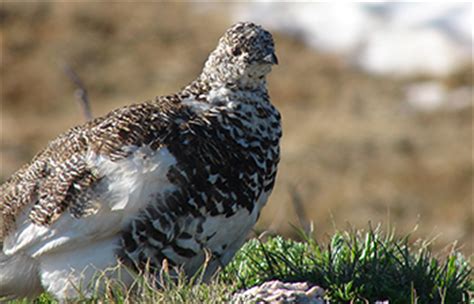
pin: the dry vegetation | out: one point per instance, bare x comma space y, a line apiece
352, 150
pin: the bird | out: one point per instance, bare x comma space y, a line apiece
177, 180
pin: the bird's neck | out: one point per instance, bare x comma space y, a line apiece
218, 93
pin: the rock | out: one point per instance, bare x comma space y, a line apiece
280, 292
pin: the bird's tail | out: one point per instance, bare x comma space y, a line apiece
19, 277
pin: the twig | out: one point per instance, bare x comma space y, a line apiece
299, 209
80, 93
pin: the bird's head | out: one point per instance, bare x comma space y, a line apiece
243, 57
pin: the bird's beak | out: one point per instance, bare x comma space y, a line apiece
271, 59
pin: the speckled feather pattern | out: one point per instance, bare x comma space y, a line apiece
223, 133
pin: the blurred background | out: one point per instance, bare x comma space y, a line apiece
376, 99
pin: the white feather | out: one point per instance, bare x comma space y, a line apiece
136, 179
67, 273
130, 184
19, 276
71, 244
240, 224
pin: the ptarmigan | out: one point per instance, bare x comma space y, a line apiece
171, 178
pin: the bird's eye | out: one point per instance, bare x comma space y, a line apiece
236, 51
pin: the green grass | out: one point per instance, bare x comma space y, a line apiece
355, 266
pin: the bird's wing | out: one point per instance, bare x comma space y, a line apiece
86, 183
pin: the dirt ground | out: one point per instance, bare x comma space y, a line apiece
353, 151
